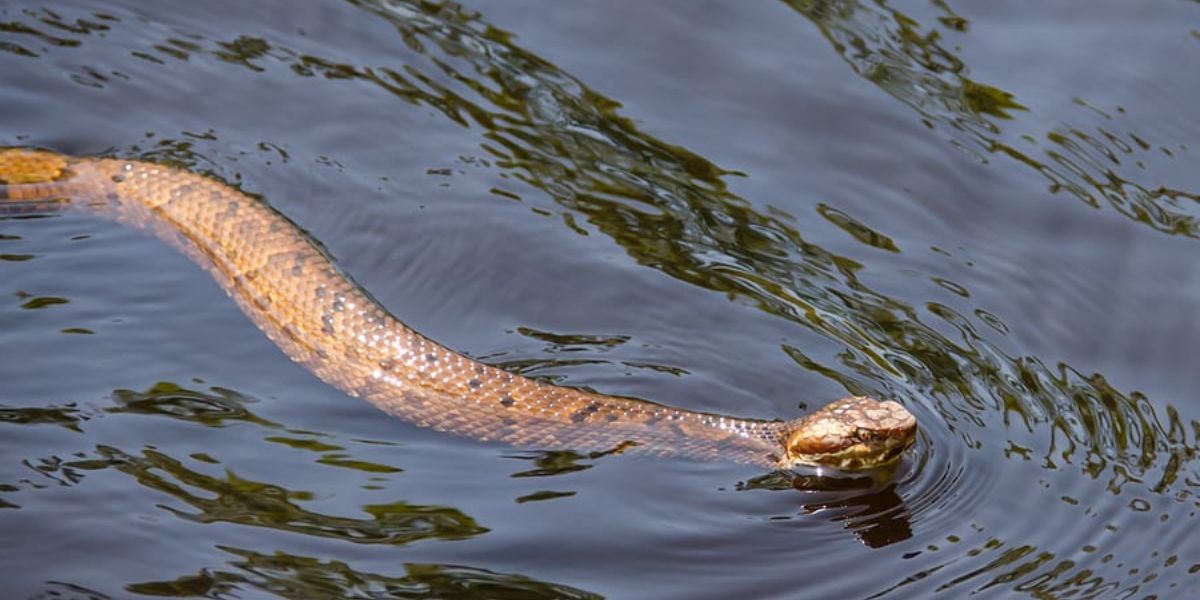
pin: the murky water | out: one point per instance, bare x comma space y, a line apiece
987, 212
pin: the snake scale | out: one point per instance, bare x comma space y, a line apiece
320, 318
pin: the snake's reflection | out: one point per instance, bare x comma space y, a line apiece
867, 503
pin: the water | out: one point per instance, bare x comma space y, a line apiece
987, 213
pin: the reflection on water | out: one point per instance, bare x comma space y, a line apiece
1120, 462
868, 505
229, 498
552, 462
68, 415
909, 61
171, 400
291, 576
232, 499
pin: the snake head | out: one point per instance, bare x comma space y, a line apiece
851, 433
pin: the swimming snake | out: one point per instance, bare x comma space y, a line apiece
318, 316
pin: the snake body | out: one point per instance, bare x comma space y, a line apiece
320, 318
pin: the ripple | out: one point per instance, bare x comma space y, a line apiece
1031, 477
942, 487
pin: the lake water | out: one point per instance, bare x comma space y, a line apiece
985, 211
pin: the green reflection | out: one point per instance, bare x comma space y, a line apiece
560, 462
216, 408
303, 444
910, 62
552, 463
37, 302
995, 565
344, 461
66, 415
233, 499
230, 498
168, 399
543, 495
294, 576
856, 228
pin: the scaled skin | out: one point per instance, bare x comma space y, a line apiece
322, 319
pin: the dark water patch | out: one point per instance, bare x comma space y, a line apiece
304, 444
543, 495
297, 576
868, 506
61, 590
567, 342
167, 399
552, 463
68, 415
39, 302
232, 499
345, 462
220, 408
856, 228
667, 369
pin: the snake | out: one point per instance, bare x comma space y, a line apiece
289, 286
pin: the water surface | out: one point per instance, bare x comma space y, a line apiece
986, 212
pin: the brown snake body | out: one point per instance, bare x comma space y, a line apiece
320, 318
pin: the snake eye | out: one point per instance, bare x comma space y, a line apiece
864, 434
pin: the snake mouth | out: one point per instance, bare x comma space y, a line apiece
894, 453
857, 457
